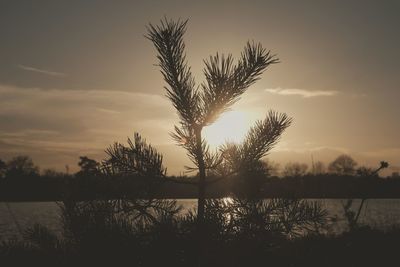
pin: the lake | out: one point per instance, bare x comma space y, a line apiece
380, 213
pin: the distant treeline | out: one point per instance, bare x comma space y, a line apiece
48, 188
22, 181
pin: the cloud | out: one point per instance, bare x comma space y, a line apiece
301, 92
31, 114
55, 126
42, 71
108, 111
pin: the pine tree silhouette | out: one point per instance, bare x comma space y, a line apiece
200, 106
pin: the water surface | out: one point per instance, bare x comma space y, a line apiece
380, 213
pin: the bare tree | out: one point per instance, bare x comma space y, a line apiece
21, 166
295, 169
343, 165
319, 168
200, 106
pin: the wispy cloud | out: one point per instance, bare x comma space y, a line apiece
108, 111
55, 126
301, 92
42, 71
35, 112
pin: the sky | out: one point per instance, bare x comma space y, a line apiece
77, 76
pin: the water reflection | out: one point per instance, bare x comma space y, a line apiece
227, 200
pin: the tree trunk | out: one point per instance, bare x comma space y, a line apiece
201, 201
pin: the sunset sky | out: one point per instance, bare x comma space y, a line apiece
76, 76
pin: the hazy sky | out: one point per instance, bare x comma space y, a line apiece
75, 76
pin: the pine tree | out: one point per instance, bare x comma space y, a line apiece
200, 106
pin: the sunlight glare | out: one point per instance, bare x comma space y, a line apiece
232, 126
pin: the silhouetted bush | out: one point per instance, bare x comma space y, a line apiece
239, 233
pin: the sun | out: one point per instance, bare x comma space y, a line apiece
232, 126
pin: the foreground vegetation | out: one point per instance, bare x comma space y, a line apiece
278, 232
